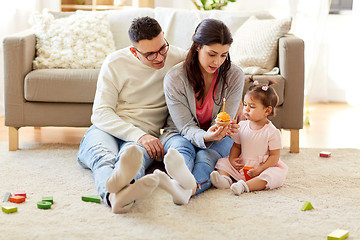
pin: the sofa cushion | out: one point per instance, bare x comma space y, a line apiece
81, 40
255, 44
179, 24
61, 85
120, 21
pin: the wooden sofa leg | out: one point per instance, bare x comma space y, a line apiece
13, 139
294, 140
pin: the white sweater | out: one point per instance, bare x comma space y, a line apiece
129, 100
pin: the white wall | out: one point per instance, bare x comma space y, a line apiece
341, 44
14, 15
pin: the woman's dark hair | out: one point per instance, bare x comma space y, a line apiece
209, 31
144, 28
265, 93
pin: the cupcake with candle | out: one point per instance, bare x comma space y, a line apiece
223, 119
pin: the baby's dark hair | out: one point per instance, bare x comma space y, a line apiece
263, 92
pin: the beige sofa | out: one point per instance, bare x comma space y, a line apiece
63, 97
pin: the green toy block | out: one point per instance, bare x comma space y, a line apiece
44, 205
338, 234
9, 209
91, 198
48, 199
307, 206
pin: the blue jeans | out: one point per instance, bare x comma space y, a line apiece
100, 152
201, 162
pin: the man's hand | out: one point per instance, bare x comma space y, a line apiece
152, 145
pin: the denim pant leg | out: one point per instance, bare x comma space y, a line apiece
98, 151
184, 147
206, 160
147, 160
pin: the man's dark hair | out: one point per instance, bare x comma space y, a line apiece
144, 28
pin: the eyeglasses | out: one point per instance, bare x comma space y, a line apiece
151, 56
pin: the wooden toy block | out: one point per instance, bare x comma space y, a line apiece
307, 206
91, 198
325, 154
48, 199
44, 205
338, 234
246, 169
7, 209
20, 193
17, 199
6, 197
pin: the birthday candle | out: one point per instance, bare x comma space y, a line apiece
224, 99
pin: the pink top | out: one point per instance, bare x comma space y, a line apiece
204, 112
255, 144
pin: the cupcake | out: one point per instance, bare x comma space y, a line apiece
223, 119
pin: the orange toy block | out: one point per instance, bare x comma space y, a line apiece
17, 199
246, 169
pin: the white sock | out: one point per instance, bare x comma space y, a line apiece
129, 165
180, 195
177, 169
239, 187
220, 181
122, 201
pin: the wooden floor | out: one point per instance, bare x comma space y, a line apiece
332, 125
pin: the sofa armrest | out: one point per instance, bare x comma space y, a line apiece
291, 64
19, 53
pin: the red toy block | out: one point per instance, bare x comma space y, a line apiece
20, 193
246, 169
325, 154
17, 199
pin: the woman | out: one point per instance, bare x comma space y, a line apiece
194, 92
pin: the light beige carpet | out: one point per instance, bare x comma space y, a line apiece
330, 184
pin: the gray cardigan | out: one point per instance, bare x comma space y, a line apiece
180, 100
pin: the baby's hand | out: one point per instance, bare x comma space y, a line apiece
254, 172
237, 163
233, 128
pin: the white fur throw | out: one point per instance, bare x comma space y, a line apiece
255, 44
82, 40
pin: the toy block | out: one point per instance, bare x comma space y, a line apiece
44, 205
7, 209
17, 199
20, 193
246, 169
338, 234
307, 206
6, 197
91, 198
48, 199
325, 154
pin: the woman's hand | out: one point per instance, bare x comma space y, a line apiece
215, 133
237, 163
152, 145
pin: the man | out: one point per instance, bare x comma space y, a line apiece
128, 112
